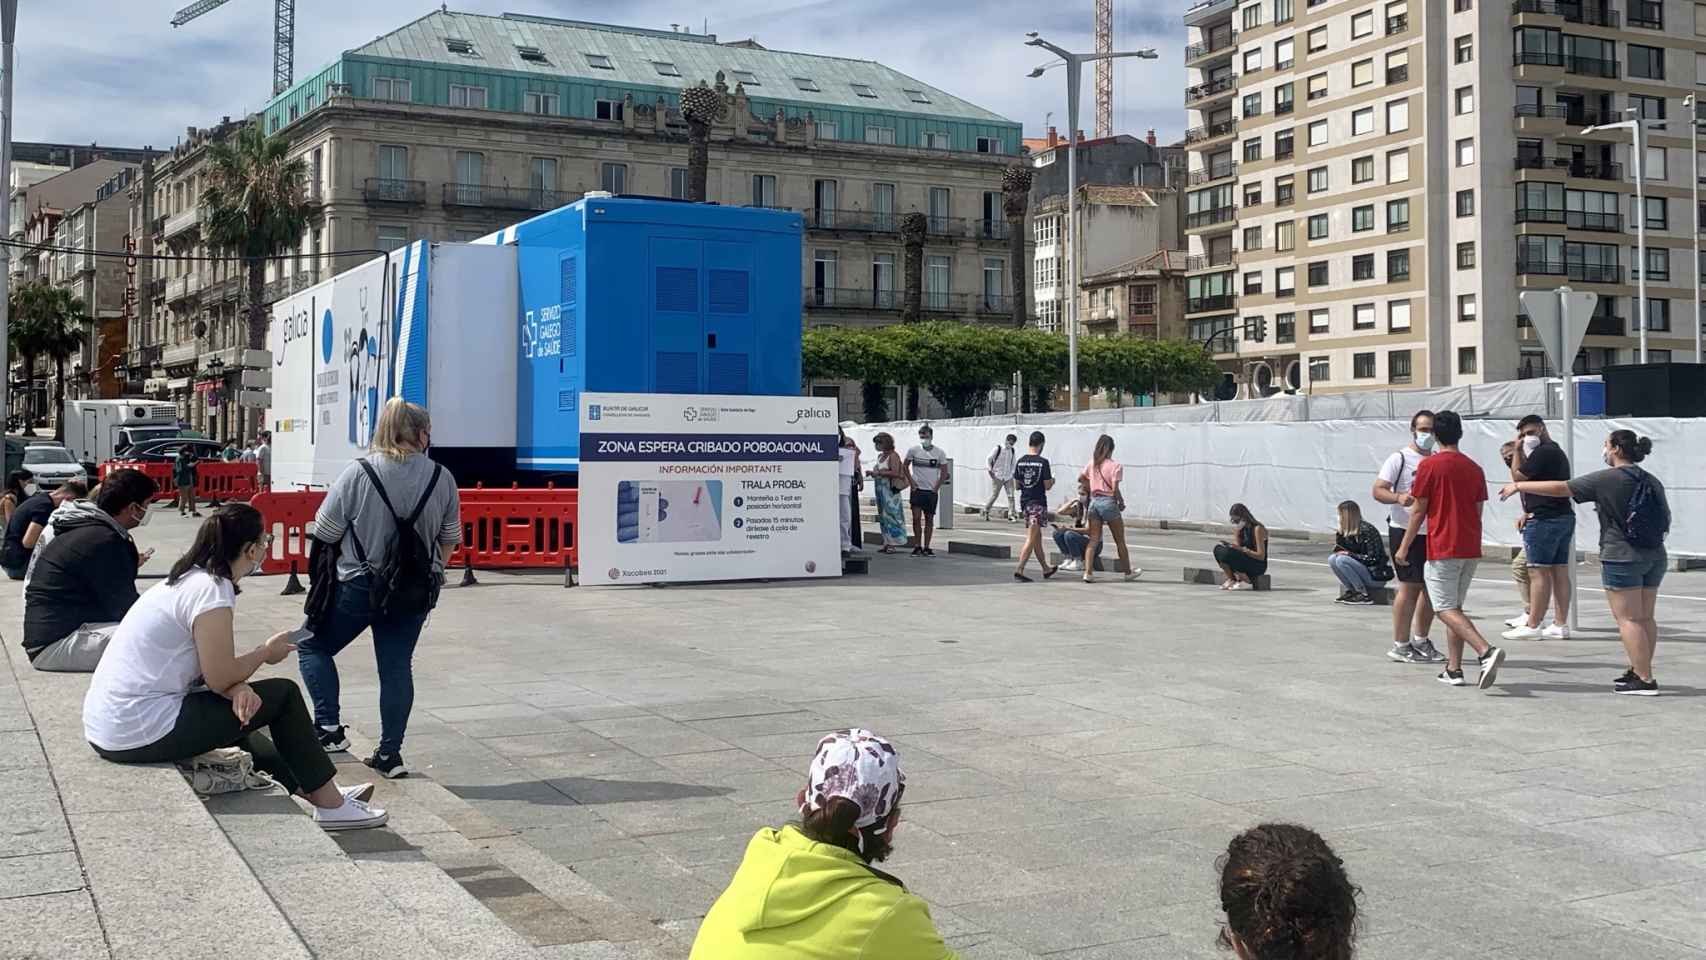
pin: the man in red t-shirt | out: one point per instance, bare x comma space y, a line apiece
1449, 490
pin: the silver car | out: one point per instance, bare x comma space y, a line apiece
52, 465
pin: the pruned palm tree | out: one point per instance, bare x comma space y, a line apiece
912, 229
1015, 198
256, 205
700, 106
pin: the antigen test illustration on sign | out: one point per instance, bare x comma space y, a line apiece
669, 511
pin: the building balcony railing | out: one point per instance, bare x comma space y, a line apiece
1219, 301
846, 298
388, 190
176, 288
1573, 219
1212, 88
943, 303
991, 230
1210, 261
1591, 67
1586, 169
861, 221
179, 353
180, 222
1207, 218
1219, 171
504, 198
945, 226
993, 304
1579, 272
1592, 14
1219, 44
285, 286
1607, 326
1211, 131
1537, 58
1552, 111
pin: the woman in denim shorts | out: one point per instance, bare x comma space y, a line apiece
1106, 504
1631, 566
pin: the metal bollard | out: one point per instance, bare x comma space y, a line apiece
945, 497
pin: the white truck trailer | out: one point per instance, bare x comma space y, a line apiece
99, 430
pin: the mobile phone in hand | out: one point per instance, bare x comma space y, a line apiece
301, 633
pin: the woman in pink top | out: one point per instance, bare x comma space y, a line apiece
1106, 503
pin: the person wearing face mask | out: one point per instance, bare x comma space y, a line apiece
20, 486
84, 581
1634, 517
929, 465
1412, 613
173, 686
1548, 532
25, 525
1001, 464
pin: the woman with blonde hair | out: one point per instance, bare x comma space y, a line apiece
888, 475
386, 581
1107, 503
1359, 556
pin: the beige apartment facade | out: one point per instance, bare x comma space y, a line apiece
1379, 180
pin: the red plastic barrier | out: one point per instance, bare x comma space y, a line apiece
287, 517
519, 528
160, 473
226, 481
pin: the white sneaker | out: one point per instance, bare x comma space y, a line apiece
1556, 631
1520, 620
1134, 574
353, 815
1524, 632
361, 791
1071, 565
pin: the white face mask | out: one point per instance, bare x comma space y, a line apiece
1606, 456
1530, 444
30, 489
142, 521
1424, 441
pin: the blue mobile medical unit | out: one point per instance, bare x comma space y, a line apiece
633, 295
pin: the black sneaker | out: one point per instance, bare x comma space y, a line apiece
918, 551
1628, 674
1634, 686
1344, 596
388, 766
929, 552
1453, 678
334, 740
1360, 600
1490, 667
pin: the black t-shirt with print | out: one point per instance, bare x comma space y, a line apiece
1547, 462
1032, 475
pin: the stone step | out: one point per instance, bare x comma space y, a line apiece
1213, 576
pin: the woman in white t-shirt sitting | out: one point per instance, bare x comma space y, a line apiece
171, 685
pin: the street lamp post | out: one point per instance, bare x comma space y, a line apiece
8, 32
1074, 73
1694, 144
1637, 127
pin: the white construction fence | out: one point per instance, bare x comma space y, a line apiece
1292, 475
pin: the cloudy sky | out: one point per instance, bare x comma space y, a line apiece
117, 72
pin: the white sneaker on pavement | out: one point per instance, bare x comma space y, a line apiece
1556, 631
1520, 620
1524, 632
353, 815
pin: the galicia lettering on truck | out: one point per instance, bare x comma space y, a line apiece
706, 448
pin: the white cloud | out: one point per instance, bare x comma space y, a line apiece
114, 72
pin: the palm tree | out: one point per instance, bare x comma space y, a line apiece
66, 317
27, 332
912, 229
1016, 197
255, 204
700, 105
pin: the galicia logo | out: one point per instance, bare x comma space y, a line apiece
804, 414
326, 336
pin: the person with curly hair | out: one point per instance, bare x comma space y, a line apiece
1286, 896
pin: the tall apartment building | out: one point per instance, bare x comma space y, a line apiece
1379, 180
457, 124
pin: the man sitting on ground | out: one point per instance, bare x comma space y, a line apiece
85, 579
24, 530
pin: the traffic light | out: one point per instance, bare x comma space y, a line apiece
1258, 331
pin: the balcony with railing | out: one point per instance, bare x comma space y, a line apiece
1551, 111
992, 231
1591, 67
176, 288
1573, 11
1222, 44
1210, 303
179, 222
390, 190
178, 354
1605, 325
295, 283
1208, 218
1210, 90
992, 304
1212, 261
945, 226
855, 221
1571, 166
1576, 271
1610, 222
847, 298
504, 198
1216, 171
1224, 128
943, 304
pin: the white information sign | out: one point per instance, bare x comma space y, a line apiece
680, 487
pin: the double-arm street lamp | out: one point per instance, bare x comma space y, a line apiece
1074, 82
1638, 127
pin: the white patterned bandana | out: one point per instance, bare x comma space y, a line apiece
855, 765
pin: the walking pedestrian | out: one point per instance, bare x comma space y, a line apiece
1634, 517
1548, 532
888, 477
929, 466
1412, 613
1245, 557
1001, 464
388, 578
184, 474
1359, 556
1107, 505
1449, 492
1034, 478
263, 459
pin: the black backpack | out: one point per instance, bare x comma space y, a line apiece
1648, 519
404, 584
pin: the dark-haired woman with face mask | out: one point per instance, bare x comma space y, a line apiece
1634, 516
171, 684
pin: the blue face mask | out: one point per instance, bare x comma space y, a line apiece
1424, 441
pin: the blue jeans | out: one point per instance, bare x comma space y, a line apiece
1546, 541
1072, 544
393, 649
1351, 572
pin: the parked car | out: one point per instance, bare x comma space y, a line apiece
166, 449
52, 465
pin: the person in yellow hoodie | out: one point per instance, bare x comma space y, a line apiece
808, 891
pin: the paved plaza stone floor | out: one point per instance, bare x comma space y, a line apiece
591, 762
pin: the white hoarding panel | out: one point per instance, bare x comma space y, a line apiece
677, 487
